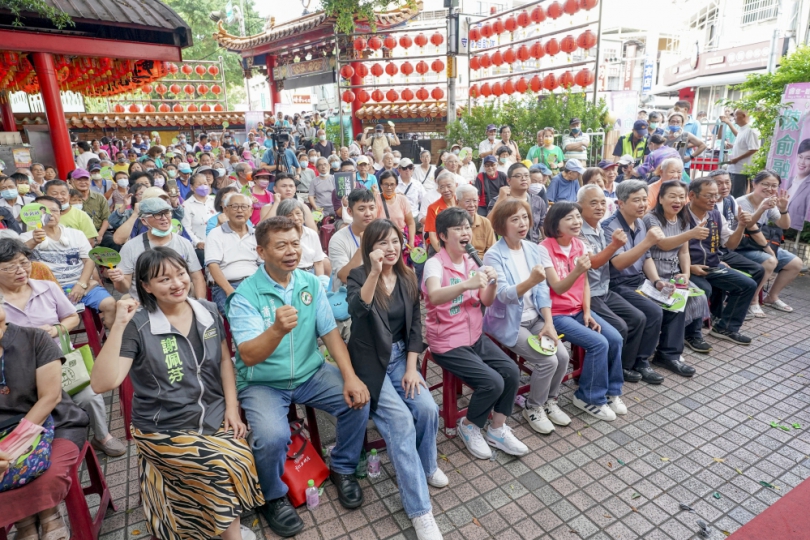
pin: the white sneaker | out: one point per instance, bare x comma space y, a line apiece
247, 534
555, 413
438, 479
617, 405
602, 412
473, 440
505, 440
537, 418
426, 527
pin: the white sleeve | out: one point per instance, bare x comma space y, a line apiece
545, 258
214, 252
83, 244
315, 244
725, 232
187, 226
433, 268
127, 264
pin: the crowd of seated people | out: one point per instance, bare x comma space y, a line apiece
514, 266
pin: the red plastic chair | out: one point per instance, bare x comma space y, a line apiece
92, 327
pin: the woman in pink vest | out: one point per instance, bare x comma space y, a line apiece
567, 262
454, 288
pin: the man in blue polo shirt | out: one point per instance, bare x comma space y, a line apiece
565, 185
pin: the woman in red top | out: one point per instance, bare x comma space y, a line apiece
567, 262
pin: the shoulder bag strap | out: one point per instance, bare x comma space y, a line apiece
407, 189
385, 207
146, 246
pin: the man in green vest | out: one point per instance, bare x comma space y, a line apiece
276, 317
634, 143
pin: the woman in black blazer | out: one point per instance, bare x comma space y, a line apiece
384, 345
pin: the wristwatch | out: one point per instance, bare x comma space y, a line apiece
82, 285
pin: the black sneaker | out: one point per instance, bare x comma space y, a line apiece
728, 335
698, 344
631, 375
281, 517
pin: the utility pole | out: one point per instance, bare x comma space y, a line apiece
452, 52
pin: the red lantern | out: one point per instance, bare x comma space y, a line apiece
437, 39
475, 33
177, 108
555, 10
205, 107
376, 70
523, 53
164, 108
363, 96
216, 89
348, 96
391, 68
550, 82
523, 19
497, 89
510, 24
377, 95
189, 89
536, 84
521, 86
509, 56
347, 71
509, 87
588, 5
374, 43
568, 44
192, 108
406, 68
149, 108
422, 94
186, 69
497, 59
214, 71
475, 63
485, 61
392, 95
552, 47
571, 6
200, 69
420, 40
361, 70
437, 66
437, 93
202, 89
390, 42
584, 77
405, 41
119, 108
407, 94
537, 50
487, 32
218, 107
174, 89
586, 40
146, 89
173, 69
498, 27
360, 44
161, 89
567, 80
422, 67
486, 91
538, 15
474, 91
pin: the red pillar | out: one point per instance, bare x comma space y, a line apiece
275, 93
49, 88
357, 125
6, 115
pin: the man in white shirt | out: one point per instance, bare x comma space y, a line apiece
745, 146
488, 146
85, 155
413, 191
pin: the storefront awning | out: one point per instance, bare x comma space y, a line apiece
724, 79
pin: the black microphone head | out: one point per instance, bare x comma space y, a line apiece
470, 249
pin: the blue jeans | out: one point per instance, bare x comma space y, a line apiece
783, 257
602, 368
219, 297
409, 427
266, 410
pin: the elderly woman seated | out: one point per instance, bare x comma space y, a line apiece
31, 392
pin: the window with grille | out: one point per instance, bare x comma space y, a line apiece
759, 10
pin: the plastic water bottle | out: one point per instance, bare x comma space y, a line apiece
313, 499
362, 466
373, 464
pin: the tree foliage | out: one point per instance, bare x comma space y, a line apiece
59, 18
526, 115
762, 96
346, 12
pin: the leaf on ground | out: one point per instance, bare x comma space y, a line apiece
478, 523
664, 459
774, 424
442, 456
136, 532
766, 335
634, 397
726, 533
635, 495
685, 507
458, 471
608, 516
610, 464
766, 484
796, 425
719, 460
620, 462
739, 471
634, 509
716, 495
784, 428
255, 522
579, 433
511, 486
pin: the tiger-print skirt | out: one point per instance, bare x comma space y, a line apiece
194, 486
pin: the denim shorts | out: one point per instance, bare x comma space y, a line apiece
783, 257
94, 296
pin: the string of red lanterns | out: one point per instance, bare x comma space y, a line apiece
374, 43
569, 44
583, 78
391, 95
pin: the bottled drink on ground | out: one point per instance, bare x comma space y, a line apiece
373, 464
313, 499
362, 466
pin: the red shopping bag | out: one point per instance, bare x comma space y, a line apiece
304, 463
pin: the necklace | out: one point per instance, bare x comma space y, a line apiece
390, 282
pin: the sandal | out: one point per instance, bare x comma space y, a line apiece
29, 522
779, 306
60, 533
756, 311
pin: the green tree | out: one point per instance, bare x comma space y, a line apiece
59, 18
346, 12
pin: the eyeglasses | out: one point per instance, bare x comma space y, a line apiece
161, 215
239, 206
770, 186
408, 168
520, 176
12, 268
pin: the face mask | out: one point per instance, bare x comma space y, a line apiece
335, 165
222, 172
322, 137
674, 129
303, 163
23, 188
502, 160
78, 206
172, 173
65, 207
576, 131
548, 141
160, 182
121, 159
653, 125
95, 176
263, 183
123, 182
9, 194
202, 190
378, 134
159, 233
456, 151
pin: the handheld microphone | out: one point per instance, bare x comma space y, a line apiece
473, 253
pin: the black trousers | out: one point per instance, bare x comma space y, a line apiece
735, 292
744, 264
493, 376
739, 185
634, 326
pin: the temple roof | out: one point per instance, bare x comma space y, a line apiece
136, 120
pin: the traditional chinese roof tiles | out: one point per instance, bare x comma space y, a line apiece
128, 120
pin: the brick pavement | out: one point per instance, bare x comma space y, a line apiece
681, 442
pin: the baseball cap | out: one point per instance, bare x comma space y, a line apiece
261, 172
362, 159
640, 125
81, 173
184, 168
155, 205
539, 167
379, 127
490, 159
95, 166
152, 192
405, 162
574, 165
574, 121
626, 159
492, 127
605, 164
206, 168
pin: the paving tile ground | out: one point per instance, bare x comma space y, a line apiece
705, 442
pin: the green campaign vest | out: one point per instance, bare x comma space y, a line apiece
297, 357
